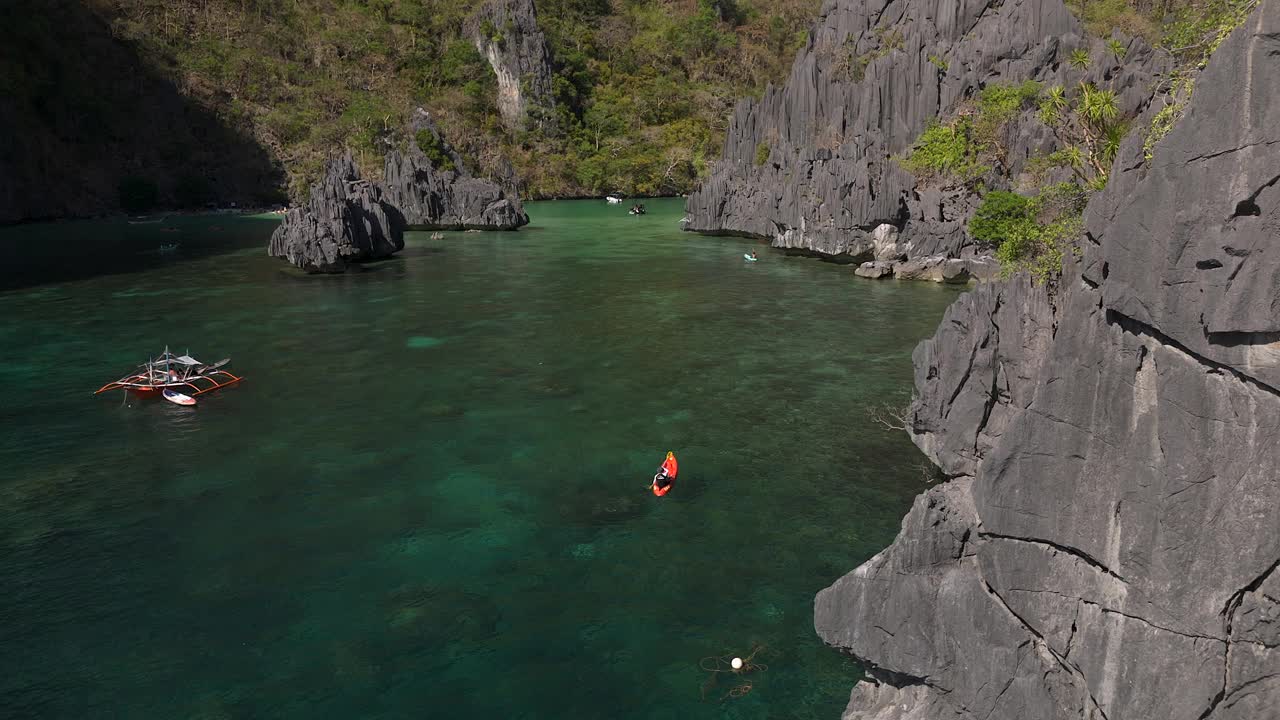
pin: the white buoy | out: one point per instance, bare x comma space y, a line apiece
736, 663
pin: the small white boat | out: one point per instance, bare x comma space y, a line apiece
612, 200
178, 398
748, 258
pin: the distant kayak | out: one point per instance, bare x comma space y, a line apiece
748, 258
178, 398
672, 468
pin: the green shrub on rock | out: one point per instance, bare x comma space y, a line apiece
433, 148
762, 153
946, 152
1031, 233
1003, 216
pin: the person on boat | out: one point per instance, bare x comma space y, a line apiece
753, 255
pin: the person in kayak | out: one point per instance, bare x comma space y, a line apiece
753, 255
666, 476
661, 481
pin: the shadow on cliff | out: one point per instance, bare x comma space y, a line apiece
92, 126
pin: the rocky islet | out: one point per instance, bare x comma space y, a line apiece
346, 220
349, 220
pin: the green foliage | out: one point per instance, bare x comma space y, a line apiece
1052, 105
1002, 217
1043, 259
1117, 48
1190, 29
1161, 124
1061, 199
490, 31
1199, 28
641, 89
138, 194
1079, 58
762, 153
946, 152
1131, 17
854, 65
938, 62
1097, 107
965, 149
1031, 233
1088, 126
1109, 142
890, 39
997, 105
1000, 103
433, 147
1192, 36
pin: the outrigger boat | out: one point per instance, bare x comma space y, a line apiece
182, 374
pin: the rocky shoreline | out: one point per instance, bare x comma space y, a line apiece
1106, 542
814, 164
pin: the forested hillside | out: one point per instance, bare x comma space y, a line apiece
642, 87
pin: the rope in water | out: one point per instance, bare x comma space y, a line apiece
724, 664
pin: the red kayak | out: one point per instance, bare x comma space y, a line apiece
672, 468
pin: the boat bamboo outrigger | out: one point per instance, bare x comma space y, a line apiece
175, 372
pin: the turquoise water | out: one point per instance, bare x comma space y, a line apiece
428, 498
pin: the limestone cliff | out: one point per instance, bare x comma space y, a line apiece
1107, 541
440, 193
345, 221
810, 166
506, 33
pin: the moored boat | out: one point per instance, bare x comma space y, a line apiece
181, 374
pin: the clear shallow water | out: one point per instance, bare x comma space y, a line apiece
428, 498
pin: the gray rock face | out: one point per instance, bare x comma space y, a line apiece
346, 220
1107, 543
506, 33
862, 91
446, 199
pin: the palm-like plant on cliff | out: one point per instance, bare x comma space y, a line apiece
1089, 127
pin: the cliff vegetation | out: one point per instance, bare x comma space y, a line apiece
1030, 230
641, 88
